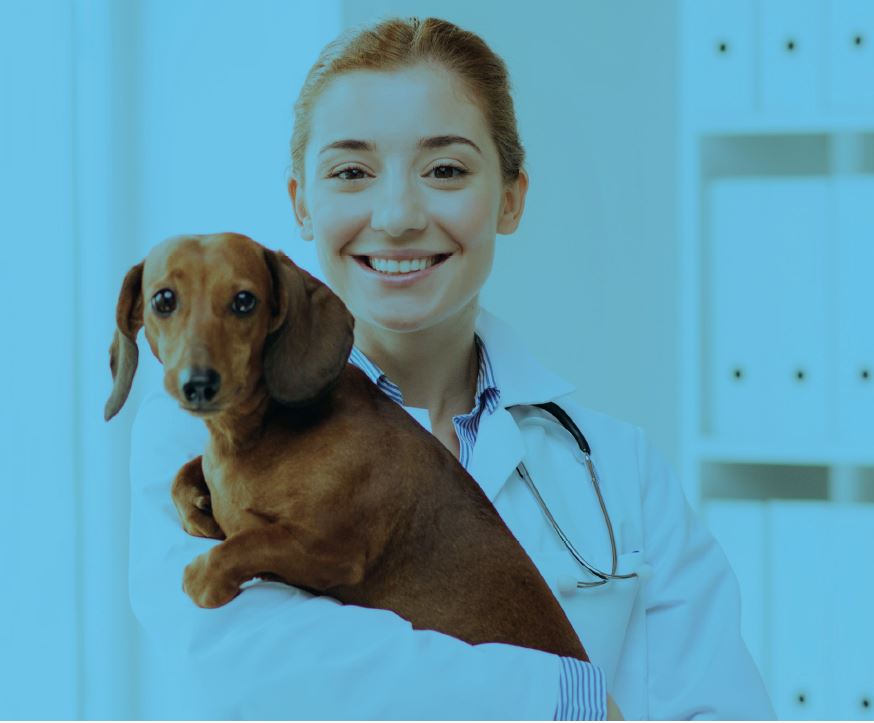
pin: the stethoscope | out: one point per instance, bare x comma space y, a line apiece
567, 584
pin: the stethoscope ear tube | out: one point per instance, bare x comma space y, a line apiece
566, 583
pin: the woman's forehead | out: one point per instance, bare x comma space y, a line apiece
398, 108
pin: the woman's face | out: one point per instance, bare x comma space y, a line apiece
403, 195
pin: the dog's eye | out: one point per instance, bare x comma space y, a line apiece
164, 302
243, 303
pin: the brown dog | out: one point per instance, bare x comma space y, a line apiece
312, 476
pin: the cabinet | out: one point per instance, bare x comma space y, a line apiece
777, 267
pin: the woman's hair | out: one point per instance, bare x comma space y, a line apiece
400, 43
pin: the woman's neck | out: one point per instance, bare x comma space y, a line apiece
435, 369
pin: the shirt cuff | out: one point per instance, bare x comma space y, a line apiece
582, 692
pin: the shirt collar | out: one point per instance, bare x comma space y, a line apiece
508, 373
488, 394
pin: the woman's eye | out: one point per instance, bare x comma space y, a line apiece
447, 172
243, 303
351, 173
164, 302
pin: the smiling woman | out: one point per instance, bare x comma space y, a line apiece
406, 167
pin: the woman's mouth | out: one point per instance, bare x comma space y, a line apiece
394, 270
397, 267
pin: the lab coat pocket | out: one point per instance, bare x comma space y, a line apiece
601, 615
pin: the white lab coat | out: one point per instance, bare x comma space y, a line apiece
669, 647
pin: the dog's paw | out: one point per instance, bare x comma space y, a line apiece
200, 523
206, 586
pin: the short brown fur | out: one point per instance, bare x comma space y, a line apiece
312, 476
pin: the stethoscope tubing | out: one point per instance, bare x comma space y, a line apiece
585, 451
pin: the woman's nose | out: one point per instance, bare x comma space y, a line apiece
398, 208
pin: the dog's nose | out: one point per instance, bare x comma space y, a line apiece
200, 385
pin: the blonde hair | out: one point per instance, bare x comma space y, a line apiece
399, 43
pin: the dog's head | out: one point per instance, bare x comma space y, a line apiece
222, 313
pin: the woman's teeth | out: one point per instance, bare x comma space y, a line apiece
391, 266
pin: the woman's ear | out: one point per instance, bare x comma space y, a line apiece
123, 352
312, 334
512, 203
298, 203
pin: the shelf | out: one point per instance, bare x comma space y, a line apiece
749, 481
784, 124
744, 453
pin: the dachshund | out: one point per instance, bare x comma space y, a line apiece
311, 475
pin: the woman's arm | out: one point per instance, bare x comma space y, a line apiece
278, 652
699, 666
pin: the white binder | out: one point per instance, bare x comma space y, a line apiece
854, 217
765, 311
791, 53
721, 54
851, 55
740, 528
850, 577
802, 686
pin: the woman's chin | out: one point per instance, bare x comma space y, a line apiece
402, 323
401, 318
412, 315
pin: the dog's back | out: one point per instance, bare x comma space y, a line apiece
353, 463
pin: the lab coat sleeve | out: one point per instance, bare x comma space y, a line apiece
278, 652
699, 666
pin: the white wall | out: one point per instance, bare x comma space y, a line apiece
38, 450
591, 277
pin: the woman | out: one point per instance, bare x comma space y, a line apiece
406, 163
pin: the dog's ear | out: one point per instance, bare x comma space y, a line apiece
123, 352
311, 334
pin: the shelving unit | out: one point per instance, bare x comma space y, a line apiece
776, 272
777, 249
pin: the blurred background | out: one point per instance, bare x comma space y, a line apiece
696, 256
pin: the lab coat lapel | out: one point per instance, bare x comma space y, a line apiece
499, 448
521, 379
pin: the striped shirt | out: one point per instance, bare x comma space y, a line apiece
487, 397
582, 690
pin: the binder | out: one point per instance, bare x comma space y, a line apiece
802, 624
765, 311
850, 578
854, 218
720, 55
740, 528
791, 53
851, 55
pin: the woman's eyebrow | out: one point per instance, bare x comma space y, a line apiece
430, 143
348, 144
441, 141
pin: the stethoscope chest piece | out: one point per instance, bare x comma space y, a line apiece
566, 584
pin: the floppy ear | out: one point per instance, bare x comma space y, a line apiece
123, 352
311, 334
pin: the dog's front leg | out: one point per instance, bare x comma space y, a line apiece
192, 499
214, 578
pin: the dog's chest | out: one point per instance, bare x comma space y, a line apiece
239, 494
253, 489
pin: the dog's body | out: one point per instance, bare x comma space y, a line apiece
327, 485
400, 526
